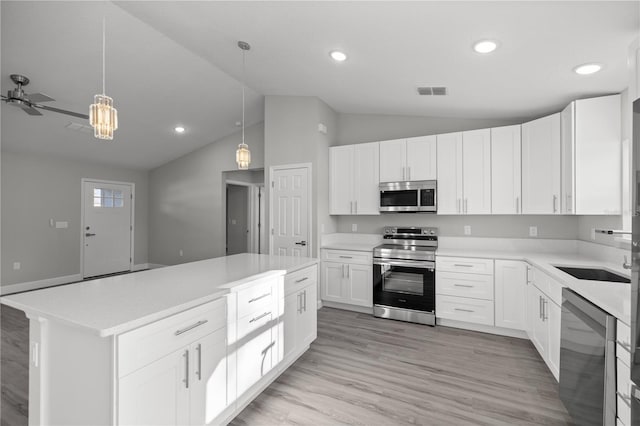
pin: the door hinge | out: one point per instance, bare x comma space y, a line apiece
131, 196
273, 183
272, 233
130, 227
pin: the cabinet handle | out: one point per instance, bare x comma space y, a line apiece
462, 265
544, 309
540, 307
299, 303
348, 270
255, 299
304, 295
517, 205
466, 205
463, 285
555, 202
568, 203
408, 173
404, 177
350, 207
344, 274
302, 279
186, 373
259, 317
458, 205
191, 327
462, 310
345, 257
199, 372
355, 203
528, 276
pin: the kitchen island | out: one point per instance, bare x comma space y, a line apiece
185, 344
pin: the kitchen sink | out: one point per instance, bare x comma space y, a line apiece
594, 274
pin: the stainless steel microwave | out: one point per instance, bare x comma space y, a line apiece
408, 197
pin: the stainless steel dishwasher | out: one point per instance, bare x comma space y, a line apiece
587, 361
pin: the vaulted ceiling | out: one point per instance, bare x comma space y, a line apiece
177, 62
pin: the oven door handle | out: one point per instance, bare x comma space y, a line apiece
408, 263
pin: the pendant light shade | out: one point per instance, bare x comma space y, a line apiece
103, 117
243, 155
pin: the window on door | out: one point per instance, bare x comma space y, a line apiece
108, 198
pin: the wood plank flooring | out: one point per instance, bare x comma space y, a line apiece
370, 371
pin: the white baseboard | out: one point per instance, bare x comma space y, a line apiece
155, 265
520, 334
34, 285
347, 307
140, 267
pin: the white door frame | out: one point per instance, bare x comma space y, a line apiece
82, 225
272, 169
251, 207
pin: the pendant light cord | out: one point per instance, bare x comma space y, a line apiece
244, 77
104, 49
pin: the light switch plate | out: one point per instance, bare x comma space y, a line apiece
533, 231
354, 227
467, 230
62, 225
16, 266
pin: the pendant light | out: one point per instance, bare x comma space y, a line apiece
102, 115
243, 155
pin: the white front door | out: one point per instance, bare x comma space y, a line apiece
290, 197
107, 228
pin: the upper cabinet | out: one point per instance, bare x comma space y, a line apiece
408, 159
541, 166
353, 179
506, 170
591, 156
464, 172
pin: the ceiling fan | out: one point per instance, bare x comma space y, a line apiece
30, 103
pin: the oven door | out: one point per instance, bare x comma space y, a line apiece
404, 284
399, 200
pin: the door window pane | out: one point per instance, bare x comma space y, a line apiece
108, 198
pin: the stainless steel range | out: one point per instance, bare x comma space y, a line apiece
404, 272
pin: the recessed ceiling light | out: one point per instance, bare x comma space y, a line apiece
338, 56
586, 69
179, 129
485, 46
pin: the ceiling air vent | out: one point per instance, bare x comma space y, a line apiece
432, 91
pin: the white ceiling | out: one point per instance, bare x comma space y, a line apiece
175, 62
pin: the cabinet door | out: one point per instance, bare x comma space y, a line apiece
360, 285
209, 378
255, 346
289, 324
393, 157
506, 170
541, 165
307, 321
511, 294
553, 313
449, 154
567, 144
341, 179
539, 332
476, 171
366, 192
156, 394
333, 276
421, 158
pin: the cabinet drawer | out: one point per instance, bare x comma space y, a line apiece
464, 264
466, 285
146, 344
299, 279
464, 309
347, 256
256, 298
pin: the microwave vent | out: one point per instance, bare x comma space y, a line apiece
432, 91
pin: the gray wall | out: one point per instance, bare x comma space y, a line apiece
38, 188
186, 198
292, 137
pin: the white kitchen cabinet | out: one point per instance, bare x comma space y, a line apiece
464, 172
353, 179
506, 170
553, 313
255, 348
408, 159
591, 141
348, 280
541, 181
510, 294
299, 324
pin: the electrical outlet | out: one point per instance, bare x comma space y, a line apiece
354, 227
533, 231
51, 223
16, 266
180, 253
467, 230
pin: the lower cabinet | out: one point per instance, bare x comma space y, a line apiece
299, 322
511, 294
255, 348
347, 277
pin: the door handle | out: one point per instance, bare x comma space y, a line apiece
89, 234
301, 243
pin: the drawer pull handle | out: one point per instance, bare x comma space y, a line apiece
255, 299
191, 327
463, 265
463, 285
302, 279
463, 310
259, 317
345, 257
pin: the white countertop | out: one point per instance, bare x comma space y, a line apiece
615, 298
116, 304
351, 242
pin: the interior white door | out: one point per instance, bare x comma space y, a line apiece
290, 200
107, 228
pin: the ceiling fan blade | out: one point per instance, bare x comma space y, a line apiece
30, 110
39, 97
62, 111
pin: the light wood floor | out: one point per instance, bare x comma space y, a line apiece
369, 371
364, 370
